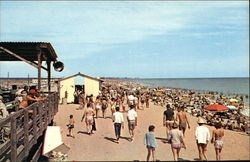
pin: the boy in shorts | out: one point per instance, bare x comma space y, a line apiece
71, 126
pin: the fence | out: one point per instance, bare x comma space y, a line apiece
21, 130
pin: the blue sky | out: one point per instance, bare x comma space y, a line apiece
162, 39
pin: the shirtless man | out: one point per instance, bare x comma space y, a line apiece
183, 120
89, 118
104, 106
217, 140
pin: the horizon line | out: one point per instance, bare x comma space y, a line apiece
130, 77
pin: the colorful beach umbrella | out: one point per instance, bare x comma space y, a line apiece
233, 100
216, 107
231, 107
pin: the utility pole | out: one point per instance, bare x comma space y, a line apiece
28, 80
8, 80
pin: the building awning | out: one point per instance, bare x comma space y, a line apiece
27, 50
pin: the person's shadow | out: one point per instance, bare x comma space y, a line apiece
111, 139
197, 159
83, 132
126, 138
181, 159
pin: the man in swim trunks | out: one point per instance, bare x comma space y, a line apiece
168, 119
89, 118
183, 120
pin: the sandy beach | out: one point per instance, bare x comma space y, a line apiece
101, 146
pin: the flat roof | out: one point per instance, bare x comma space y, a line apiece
28, 51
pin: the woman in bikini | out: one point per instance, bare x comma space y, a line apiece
113, 105
217, 140
98, 105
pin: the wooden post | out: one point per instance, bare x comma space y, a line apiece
39, 58
40, 117
49, 109
52, 105
13, 140
46, 113
35, 122
49, 75
26, 133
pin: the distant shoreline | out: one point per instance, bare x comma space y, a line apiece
131, 78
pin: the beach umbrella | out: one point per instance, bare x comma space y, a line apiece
231, 107
233, 100
216, 107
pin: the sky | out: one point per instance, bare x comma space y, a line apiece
144, 39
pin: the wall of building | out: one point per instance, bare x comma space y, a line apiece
91, 86
69, 86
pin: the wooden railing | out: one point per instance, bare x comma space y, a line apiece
21, 130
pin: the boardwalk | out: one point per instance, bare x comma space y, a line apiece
100, 145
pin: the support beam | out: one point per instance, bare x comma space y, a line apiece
20, 58
39, 58
44, 68
49, 75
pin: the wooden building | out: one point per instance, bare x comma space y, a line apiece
85, 83
21, 133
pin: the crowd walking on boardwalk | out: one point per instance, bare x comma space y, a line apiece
128, 101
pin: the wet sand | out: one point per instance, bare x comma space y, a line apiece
100, 146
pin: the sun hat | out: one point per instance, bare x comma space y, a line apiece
201, 121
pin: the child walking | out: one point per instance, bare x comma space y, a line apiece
71, 126
150, 142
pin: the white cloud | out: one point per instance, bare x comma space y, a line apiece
80, 29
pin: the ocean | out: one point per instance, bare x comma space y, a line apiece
227, 86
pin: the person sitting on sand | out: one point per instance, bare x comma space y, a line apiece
217, 140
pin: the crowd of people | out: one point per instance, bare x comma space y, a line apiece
126, 97
21, 98
121, 96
